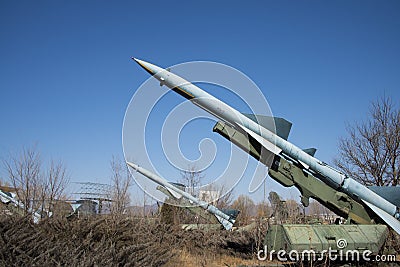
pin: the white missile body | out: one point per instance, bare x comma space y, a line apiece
272, 142
6, 198
223, 218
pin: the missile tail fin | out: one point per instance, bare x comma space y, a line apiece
310, 151
390, 193
304, 165
169, 192
264, 142
277, 125
233, 213
225, 223
389, 219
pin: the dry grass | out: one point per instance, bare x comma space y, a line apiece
184, 258
108, 241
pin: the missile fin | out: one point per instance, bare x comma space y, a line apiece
265, 143
310, 151
227, 224
277, 125
175, 194
389, 219
5, 197
304, 165
168, 192
390, 193
233, 213
75, 206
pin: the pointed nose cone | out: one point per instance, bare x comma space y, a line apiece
132, 165
150, 68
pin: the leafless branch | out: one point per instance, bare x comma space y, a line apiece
121, 180
371, 152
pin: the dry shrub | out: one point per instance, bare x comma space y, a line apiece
110, 241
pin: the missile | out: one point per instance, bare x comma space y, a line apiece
9, 199
226, 220
270, 141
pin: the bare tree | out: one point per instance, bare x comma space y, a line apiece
24, 173
35, 188
293, 211
371, 153
263, 210
246, 207
225, 197
121, 180
191, 178
317, 211
220, 196
55, 183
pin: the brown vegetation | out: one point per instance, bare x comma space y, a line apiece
104, 241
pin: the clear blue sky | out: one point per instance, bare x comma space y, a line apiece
66, 76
